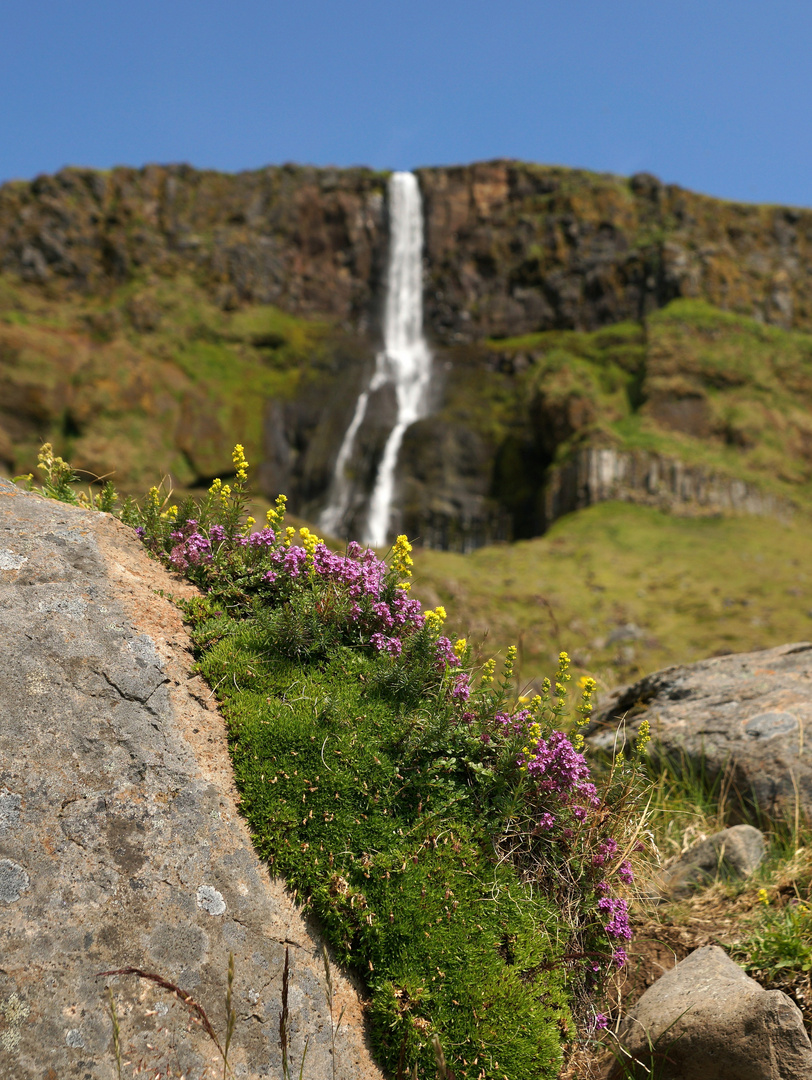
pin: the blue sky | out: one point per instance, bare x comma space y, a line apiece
713, 95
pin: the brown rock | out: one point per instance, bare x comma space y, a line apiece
731, 853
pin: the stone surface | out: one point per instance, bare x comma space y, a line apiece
730, 853
746, 715
120, 840
711, 1021
599, 473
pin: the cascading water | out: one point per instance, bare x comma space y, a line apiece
404, 362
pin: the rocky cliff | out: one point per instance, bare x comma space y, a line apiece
150, 318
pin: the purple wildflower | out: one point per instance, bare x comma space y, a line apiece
462, 688
606, 849
618, 925
625, 872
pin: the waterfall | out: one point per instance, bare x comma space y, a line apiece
404, 363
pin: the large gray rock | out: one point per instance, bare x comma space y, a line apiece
708, 1020
120, 841
730, 853
749, 713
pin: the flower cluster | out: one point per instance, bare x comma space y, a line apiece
550, 814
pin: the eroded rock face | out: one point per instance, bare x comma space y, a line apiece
746, 713
513, 248
309, 240
599, 473
708, 1020
120, 841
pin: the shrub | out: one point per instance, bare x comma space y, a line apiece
447, 833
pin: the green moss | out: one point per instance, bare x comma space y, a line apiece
351, 807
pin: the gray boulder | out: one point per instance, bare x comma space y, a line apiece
731, 853
707, 1020
120, 841
747, 713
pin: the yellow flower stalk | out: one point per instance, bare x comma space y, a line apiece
240, 464
488, 669
643, 736
402, 557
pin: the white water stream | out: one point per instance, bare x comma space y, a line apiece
404, 362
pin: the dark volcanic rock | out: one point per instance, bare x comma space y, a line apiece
746, 713
708, 1020
120, 842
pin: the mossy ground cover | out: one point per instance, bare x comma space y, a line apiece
706, 386
446, 831
385, 843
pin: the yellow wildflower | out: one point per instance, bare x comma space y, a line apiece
240, 464
276, 514
290, 532
488, 669
460, 645
435, 619
643, 736
402, 557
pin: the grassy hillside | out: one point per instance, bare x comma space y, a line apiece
151, 378
627, 589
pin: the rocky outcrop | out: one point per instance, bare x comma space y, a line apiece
137, 335
513, 248
707, 1020
311, 241
599, 473
120, 840
743, 717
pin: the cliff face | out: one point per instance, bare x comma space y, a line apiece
308, 240
151, 318
513, 248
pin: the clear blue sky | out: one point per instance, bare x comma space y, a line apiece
714, 95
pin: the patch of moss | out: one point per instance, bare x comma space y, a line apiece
349, 805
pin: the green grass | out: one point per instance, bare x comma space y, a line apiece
692, 587
750, 385
112, 392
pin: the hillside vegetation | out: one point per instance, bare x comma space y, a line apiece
628, 589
